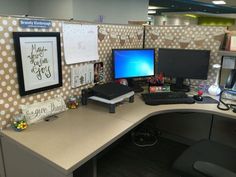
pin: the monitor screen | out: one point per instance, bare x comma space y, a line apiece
133, 63
181, 63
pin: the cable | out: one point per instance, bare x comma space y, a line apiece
226, 106
145, 145
144, 139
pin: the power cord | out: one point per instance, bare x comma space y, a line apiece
144, 140
144, 137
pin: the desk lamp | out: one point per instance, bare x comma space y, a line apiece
215, 89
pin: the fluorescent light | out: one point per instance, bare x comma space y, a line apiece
219, 2
156, 7
190, 15
152, 7
151, 12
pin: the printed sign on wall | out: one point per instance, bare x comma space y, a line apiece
80, 43
35, 23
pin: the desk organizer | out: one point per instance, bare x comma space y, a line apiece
112, 103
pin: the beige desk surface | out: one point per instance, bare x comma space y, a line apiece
78, 135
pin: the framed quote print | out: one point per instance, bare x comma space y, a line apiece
38, 59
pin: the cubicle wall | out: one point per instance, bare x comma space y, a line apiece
186, 128
9, 93
188, 37
115, 36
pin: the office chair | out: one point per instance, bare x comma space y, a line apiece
207, 159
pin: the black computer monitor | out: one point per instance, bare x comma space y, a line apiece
133, 63
183, 63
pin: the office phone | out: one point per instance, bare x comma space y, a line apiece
230, 87
231, 81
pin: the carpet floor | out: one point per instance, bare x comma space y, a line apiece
128, 160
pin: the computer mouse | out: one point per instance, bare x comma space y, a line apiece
197, 98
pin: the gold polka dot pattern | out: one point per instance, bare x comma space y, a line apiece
192, 33
10, 100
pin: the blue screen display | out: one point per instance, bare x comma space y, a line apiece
129, 63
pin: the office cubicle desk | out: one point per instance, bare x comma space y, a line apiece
57, 148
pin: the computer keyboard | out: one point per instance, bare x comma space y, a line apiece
167, 98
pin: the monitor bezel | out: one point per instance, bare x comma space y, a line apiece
113, 62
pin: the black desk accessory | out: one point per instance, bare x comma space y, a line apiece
109, 93
110, 90
86, 93
160, 98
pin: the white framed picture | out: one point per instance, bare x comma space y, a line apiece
38, 59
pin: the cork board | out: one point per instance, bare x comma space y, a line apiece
116, 36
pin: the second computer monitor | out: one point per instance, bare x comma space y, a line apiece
183, 63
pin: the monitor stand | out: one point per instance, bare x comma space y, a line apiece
179, 86
134, 85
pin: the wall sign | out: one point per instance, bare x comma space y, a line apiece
38, 59
35, 24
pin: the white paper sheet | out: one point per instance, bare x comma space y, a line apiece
80, 43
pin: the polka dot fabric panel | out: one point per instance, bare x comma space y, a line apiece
10, 100
107, 44
196, 37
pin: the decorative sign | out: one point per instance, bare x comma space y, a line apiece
168, 39
113, 37
140, 34
38, 57
131, 37
199, 40
184, 42
35, 24
123, 38
102, 33
38, 111
154, 34
82, 75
